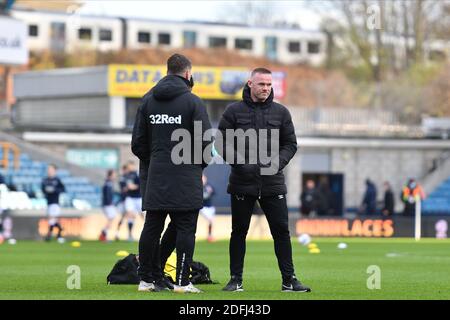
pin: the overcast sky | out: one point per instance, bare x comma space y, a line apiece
292, 11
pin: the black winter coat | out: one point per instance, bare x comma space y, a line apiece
246, 179
389, 202
170, 105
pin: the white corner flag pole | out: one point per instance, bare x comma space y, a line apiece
418, 224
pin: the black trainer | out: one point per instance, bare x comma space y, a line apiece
293, 285
162, 285
234, 285
169, 285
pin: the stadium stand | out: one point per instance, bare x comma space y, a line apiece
438, 202
26, 182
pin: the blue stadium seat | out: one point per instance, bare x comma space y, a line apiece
28, 178
438, 202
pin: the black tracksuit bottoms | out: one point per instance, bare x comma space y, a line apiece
276, 211
184, 226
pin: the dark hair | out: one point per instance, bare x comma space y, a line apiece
110, 173
261, 70
178, 64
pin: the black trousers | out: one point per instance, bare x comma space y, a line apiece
410, 209
185, 225
168, 243
276, 211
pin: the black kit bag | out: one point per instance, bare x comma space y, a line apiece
200, 273
125, 271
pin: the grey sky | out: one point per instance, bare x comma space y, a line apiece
291, 11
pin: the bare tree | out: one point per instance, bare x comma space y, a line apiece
412, 23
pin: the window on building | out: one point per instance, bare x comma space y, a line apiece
245, 44
33, 30
217, 42
271, 47
294, 47
85, 34
131, 108
164, 38
313, 47
144, 37
105, 35
57, 36
189, 39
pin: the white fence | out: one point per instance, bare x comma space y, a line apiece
351, 122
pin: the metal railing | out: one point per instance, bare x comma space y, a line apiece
436, 164
351, 122
40, 153
7, 147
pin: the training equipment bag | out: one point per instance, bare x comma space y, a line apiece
124, 271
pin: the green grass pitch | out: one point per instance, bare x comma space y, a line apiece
409, 270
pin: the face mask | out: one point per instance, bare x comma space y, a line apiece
191, 82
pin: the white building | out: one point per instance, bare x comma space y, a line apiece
65, 32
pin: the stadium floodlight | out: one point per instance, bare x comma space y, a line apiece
418, 221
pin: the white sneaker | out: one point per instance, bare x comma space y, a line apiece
145, 286
187, 289
61, 240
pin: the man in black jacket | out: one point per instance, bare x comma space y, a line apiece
389, 201
308, 199
169, 238
248, 182
172, 188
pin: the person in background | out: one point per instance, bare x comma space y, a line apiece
369, 203
6, 223
133, 201
2, 182
410, 193
208, 211
308, 199
389, 202
325, 198
123, 194
6, 226
109, 209
52, 187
